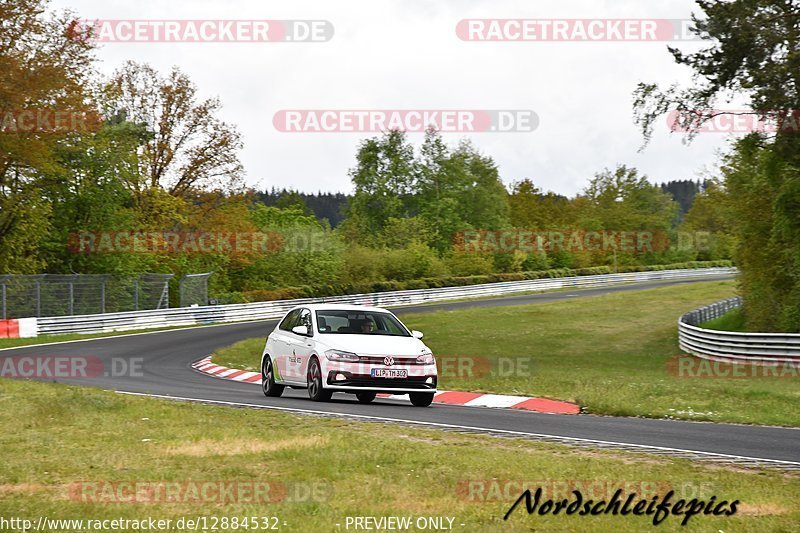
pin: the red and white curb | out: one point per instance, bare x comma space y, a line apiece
468, 399
206, 366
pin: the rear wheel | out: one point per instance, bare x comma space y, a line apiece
268, 385
365, 397
421, 399
316, 391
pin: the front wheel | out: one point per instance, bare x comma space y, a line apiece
421, 399
365, 397
315, 389
268, 385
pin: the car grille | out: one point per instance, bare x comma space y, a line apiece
378, 360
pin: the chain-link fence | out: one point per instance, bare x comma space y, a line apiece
193, 289
80, 294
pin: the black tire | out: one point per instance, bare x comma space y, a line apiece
365, 397
316, 389
268, 385
421, 399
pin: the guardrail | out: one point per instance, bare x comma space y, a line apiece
190, 316
734, 346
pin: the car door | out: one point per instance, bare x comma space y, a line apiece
299, 349
281, 338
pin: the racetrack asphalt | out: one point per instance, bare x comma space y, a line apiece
166, 358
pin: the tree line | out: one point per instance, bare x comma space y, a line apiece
162, 160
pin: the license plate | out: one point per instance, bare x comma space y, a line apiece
388, 373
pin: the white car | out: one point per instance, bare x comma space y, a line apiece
347, 348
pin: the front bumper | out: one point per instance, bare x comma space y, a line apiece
357, 377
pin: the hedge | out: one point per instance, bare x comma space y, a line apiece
314, 291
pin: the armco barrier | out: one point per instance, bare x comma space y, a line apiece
733, 346
190, 316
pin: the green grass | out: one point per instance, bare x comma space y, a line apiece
608, 353
54, 436
245, 354
731, 321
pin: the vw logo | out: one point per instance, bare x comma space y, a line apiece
388, 360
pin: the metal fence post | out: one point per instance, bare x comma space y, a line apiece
4, 299
103, 297
71, 298
136, 295
38, 298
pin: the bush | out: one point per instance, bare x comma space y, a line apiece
468, 264
417, 260
536, 261
362, 263
509, 261
459, 281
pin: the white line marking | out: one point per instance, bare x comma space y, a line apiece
112, 336
456, 426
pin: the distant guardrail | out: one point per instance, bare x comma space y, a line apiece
190, 316
734, 346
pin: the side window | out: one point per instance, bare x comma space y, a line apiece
290, 321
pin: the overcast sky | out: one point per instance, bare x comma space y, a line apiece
405, 54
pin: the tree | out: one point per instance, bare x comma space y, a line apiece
324, 205
90, 196
482, 196
711, 214
434, 191
293, 199
384, 178
683, 192
531, 209
450, 190
624, 200
753, 54
188, 145
710, 210
764, 192
457, 190
44, 69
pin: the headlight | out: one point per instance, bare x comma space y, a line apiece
338, 355
425, 359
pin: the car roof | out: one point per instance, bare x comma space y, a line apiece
341, 307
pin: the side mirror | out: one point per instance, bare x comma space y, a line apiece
301, 330
416, 334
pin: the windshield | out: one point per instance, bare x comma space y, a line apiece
360, 323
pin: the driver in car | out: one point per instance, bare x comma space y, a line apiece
366, 326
